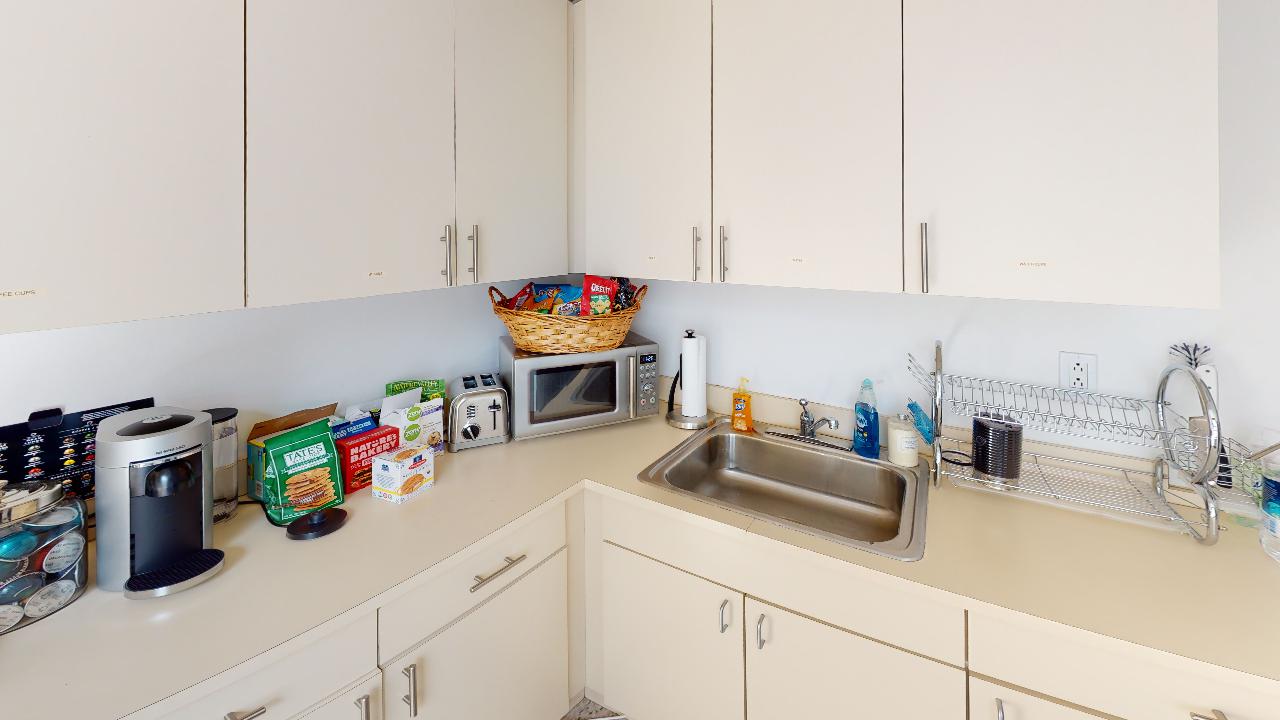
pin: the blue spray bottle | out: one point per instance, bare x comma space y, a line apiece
866, 436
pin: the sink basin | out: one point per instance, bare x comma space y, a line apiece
820, 490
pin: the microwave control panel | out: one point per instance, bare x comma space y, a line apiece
647, 384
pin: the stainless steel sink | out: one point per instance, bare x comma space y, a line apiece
819, 490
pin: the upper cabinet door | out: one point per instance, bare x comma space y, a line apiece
121, 176
808, 143
350, 147
1063, 150
513, 115
648, 138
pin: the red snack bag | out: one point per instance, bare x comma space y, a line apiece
356, 454
598, 294
515, 301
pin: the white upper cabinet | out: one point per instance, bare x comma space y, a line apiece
647, 135
1063, 150
350, 181
808, 143
121, 161
512, 135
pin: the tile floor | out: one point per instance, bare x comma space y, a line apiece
587, 710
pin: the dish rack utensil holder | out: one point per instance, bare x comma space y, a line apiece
1200, 456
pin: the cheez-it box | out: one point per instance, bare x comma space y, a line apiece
358, 451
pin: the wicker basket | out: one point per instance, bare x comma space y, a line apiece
536, 332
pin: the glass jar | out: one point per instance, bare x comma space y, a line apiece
43, 563
226, 448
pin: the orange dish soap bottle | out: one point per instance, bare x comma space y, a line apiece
742, 408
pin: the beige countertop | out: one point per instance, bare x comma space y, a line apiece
1150, 587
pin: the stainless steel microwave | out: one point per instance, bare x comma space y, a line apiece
559, 393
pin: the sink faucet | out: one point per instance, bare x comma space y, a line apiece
809, 428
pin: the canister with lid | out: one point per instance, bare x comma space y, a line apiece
43, 564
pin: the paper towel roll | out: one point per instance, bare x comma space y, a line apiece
693, 375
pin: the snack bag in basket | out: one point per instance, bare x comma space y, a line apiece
598, 294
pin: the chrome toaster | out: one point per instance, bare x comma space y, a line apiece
477, 411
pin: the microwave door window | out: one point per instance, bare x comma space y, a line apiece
573, 392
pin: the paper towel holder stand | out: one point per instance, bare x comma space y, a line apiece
676, 419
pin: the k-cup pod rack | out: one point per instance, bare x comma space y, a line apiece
1197, 468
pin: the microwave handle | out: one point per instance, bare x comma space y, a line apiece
631, 383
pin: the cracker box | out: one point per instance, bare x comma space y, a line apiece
343, 428
401, 475
420, 424
357, 452
431, 389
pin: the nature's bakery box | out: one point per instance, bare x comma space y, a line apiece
358, 451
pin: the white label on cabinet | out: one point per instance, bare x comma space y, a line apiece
15, 294
1033, 264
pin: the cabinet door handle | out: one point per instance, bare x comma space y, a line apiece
474, 237
250, 715
447, 239
924, 257
362, 702
696, 241
1217, 715
724, 266
999, 709
411, 699
760, 633
482, 580
724, 624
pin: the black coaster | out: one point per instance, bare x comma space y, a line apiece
317, 524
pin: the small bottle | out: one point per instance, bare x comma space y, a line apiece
1270, 529
742, 408
866, 436
904, 443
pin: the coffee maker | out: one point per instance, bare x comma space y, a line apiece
154, 500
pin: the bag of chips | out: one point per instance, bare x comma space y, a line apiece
598, 294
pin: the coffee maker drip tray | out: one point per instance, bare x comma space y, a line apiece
186, 573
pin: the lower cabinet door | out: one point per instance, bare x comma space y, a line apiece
507, 659
671, 642
800, 668
988, 701
361, 702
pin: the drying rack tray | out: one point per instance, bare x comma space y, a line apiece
1130, 495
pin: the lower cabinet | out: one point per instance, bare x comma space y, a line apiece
988, 701
672, 642
362, 702
797, 667
674, 647
507, 658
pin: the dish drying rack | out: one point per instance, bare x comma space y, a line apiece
1201, 456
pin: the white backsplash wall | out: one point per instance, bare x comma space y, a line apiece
820, 344
264, 361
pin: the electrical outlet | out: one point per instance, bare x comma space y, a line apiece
1078, 371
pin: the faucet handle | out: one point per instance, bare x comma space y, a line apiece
804, 403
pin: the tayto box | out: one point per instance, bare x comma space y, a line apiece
402, 474
357, 452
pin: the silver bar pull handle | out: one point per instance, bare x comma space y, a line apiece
482, 580
362, 702
760, 633
475, 254
696, 241
447, 239
634, 389
411, 699
999, 709
724, 265
250, 715
924, 257
724, 623
1217, 715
